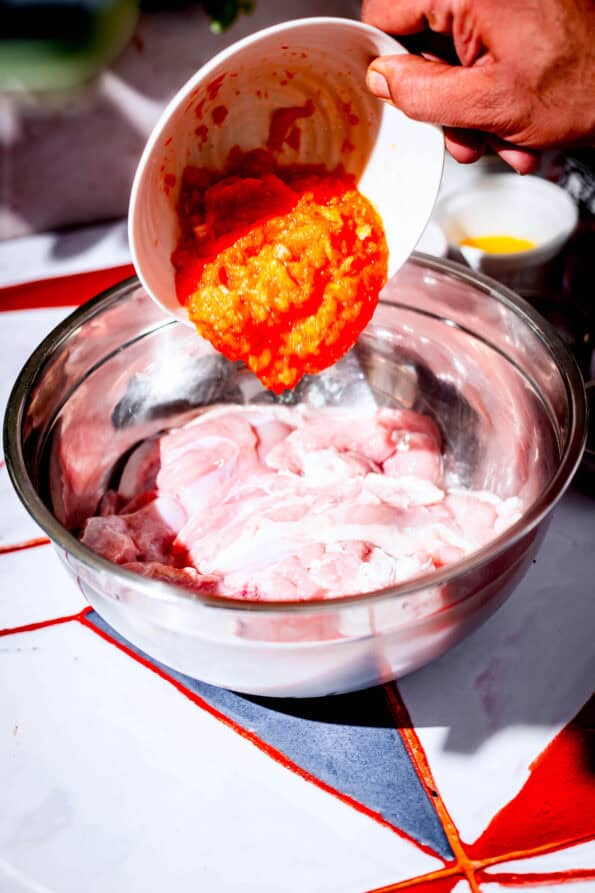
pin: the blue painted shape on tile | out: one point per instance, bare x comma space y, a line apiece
347, 741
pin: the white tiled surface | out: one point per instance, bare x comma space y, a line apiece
59, 254
102, 792
35, 587
21, 332
16, 525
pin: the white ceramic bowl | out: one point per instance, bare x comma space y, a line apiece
229, 101
433, 241
507, 204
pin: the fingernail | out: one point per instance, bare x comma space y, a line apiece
377, 84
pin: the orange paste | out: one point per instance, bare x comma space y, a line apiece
278, 267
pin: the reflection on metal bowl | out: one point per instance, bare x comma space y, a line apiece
505, 392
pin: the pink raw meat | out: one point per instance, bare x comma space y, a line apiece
108, 536
286, 503
181, 576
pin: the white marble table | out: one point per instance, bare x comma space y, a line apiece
116, 775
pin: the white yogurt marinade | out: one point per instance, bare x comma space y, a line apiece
279, 502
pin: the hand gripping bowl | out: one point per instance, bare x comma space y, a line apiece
508, 398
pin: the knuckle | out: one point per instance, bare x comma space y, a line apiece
375, 12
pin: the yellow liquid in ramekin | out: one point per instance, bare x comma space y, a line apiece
498, 244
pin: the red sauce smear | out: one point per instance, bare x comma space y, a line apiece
219, 114
202, 132
214, 86
282, 128
350, 115
169, 181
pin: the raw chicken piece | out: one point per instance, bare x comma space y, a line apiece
109, 536
283, 503
180, 576
416, 454
144, 534
373, 436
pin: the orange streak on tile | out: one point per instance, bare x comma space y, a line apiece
42, 624
418, 756
63, 291
537, 878
26, 544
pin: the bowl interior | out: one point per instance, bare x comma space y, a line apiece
437, 344
318, 65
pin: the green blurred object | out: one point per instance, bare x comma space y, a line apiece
46, 45
223, 13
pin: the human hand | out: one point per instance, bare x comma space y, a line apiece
526, 80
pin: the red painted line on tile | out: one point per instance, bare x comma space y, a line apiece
536, 878
419, 759
63, 291
263, 746
531, 852
27, 544
42, 624
552, 807
434, 882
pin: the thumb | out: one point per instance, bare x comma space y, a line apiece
436, 92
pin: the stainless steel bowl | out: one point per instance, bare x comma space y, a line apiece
504, 390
